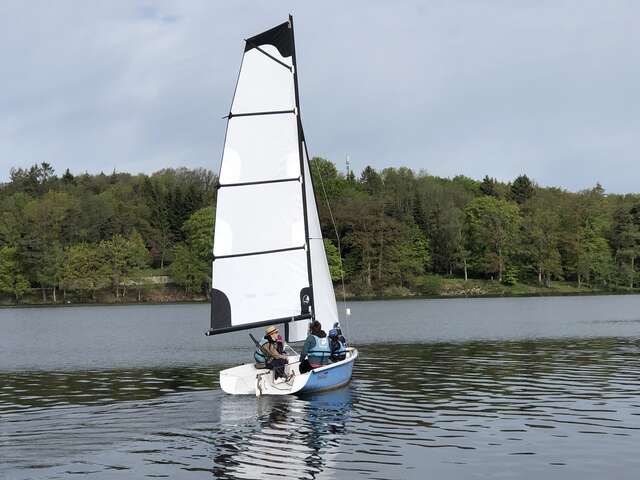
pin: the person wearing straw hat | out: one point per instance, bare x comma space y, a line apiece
267, 354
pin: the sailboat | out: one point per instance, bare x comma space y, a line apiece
269, 263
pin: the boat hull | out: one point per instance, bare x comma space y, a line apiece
329, 377
247, 380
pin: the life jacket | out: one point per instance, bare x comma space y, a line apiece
336, 331
259, 355
321, 352
338, 349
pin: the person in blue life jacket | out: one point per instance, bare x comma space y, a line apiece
338, 345
316, 350
338, 329
268, 356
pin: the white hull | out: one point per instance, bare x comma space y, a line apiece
248, 380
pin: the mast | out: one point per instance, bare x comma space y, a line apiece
323, 304
301, 156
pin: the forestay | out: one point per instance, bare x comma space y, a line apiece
269, 262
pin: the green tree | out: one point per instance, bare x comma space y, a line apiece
84, 269
489, 187
333, 260
68, 178
161, 235
47, 220
541, 234
191, 267
188, 270
371, 181
626, 243
12, 223
522, 189
198, 230
12, 280
365, 228
594, 262
51, 271
399, 191
326, 179
493, 231
408, 257
445, 226
586, 252
123, 257
33, 181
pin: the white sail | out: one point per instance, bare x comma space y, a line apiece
267, 255
324, 300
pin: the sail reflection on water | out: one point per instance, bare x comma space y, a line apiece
286, 436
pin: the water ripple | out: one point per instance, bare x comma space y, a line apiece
462, 408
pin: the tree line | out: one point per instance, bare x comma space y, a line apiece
397, 230
85, 233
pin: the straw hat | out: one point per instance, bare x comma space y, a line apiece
270, 330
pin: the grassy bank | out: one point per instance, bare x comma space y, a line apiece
150, 294
446, 287
434, 287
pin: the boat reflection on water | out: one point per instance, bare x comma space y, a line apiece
292, 437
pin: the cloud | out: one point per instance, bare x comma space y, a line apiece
551, 89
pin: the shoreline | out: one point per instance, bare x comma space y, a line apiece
597, 293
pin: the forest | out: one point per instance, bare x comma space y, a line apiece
120, 237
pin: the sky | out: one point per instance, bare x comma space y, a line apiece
550, 89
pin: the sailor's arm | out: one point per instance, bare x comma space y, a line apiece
272, 351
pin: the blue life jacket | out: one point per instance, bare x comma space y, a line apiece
259, 355
338, 349
321, 352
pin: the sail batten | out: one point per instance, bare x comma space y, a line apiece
263, 252
252, 114
258, 182
288, 67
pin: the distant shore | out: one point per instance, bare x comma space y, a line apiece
441, 288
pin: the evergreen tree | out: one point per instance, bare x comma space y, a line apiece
67, 178
522, 189
371, 181
489, 187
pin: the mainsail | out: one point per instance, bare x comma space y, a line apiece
269, 262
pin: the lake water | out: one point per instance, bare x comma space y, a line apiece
529, 388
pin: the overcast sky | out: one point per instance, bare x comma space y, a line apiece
546, 88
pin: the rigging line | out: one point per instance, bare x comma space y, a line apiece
335, 229
253, 45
